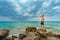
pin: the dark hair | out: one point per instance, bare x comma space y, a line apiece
42, 15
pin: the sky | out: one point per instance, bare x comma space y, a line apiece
29, 10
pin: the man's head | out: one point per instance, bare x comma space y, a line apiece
42, 15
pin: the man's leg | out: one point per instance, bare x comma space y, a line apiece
42, 26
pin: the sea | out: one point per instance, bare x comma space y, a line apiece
16, 27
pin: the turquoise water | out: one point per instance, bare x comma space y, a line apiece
19, 27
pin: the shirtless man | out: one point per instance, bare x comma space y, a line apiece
42, 21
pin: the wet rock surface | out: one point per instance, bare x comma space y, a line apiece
21, 36
3, 33
30, 29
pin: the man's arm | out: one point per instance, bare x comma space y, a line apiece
43, 18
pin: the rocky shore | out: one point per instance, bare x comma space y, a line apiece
32, 33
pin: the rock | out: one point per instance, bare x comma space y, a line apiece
32, 38
53, 35
10, 38
58, 36
30, 29
21, 36
4, 33
41, 30
42, 33
18, 39
50, 34
36, 38
30, 34
36, 34
52, 38
14, 37
33, 29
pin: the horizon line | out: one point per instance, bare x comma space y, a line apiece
13, 21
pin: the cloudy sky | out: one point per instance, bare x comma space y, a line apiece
29, 10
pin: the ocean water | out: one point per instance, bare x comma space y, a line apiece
19, 27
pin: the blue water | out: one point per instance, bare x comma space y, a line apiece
18, 27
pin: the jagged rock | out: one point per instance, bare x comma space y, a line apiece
58, 36
41, 30
8, 39
37, 38
53, 35
42, 33
4, 33
14, 37
52, 38
33, 29
50, 34
30, 29
21, 36
32, 38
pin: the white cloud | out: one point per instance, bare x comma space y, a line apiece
34, 0
28, 9
33, 7
17, 7
42, 10
39, 13
27, 14
47, 3
23, 1
56, 1
18, 10
57, 8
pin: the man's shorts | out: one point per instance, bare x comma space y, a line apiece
42, 23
